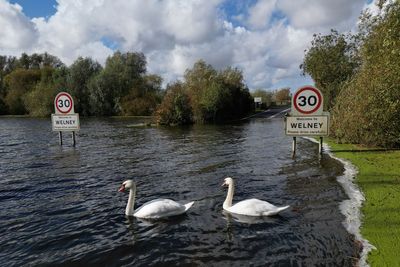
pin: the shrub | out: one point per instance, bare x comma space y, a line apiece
175, 108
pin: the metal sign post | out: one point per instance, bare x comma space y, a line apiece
294, 147
60, 137
73, 139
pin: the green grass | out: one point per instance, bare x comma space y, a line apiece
379, 179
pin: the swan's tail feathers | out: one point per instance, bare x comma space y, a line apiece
188, 205
282, 209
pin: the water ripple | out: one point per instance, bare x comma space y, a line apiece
60, 205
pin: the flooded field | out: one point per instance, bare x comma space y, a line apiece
61, 205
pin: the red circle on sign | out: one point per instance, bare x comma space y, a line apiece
70, 99
316, 91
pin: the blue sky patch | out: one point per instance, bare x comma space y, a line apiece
37, 8
110, 43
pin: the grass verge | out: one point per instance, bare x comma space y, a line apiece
379, 179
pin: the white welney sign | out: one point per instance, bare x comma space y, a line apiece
307, 126
65, 123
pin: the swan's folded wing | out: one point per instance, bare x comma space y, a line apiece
253, 207
159, 208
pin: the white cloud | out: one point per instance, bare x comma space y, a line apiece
260, 13
173, 34
322, 14
17, 32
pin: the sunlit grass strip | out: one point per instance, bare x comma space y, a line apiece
379, 179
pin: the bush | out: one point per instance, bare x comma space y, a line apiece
39, 102
20, 82
216, 96
138, 106
175, 108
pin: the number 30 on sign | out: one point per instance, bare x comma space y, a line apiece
64, 104
307, 101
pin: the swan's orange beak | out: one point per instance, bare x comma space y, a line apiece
122, 188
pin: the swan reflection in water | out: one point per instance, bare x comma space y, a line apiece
151, 227
236, 220
250, 219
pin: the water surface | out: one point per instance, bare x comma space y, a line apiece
61, 205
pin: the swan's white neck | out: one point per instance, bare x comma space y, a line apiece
229, 197
131, 202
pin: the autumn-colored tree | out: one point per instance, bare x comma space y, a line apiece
282, 95
18, 83
175, 108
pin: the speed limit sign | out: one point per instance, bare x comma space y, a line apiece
64, 104
307, 101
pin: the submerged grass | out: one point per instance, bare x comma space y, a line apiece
379, 179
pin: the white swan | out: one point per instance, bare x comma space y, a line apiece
155, 209
248, 207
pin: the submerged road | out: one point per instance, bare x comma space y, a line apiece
273, 112
41, 226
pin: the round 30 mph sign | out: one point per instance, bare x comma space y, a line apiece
307, 101
64, 104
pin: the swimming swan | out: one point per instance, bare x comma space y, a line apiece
155, 209
248, 207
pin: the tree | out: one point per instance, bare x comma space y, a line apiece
19, 82
282, 95
7, 65
24, 61
216, 96
331, 60
51, 61
175, 108
144, 97
37, 61
3, 106
237, 102
80, 73
25, 83
39, 101
197, 79
121, 73
213, 102
368, 107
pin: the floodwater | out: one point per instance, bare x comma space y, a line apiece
60, 206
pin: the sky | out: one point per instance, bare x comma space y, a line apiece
266, 39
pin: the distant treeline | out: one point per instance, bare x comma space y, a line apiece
29, 84
359, 75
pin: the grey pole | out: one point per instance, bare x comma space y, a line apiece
60, 137
294, 147
73, 139
321, 141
